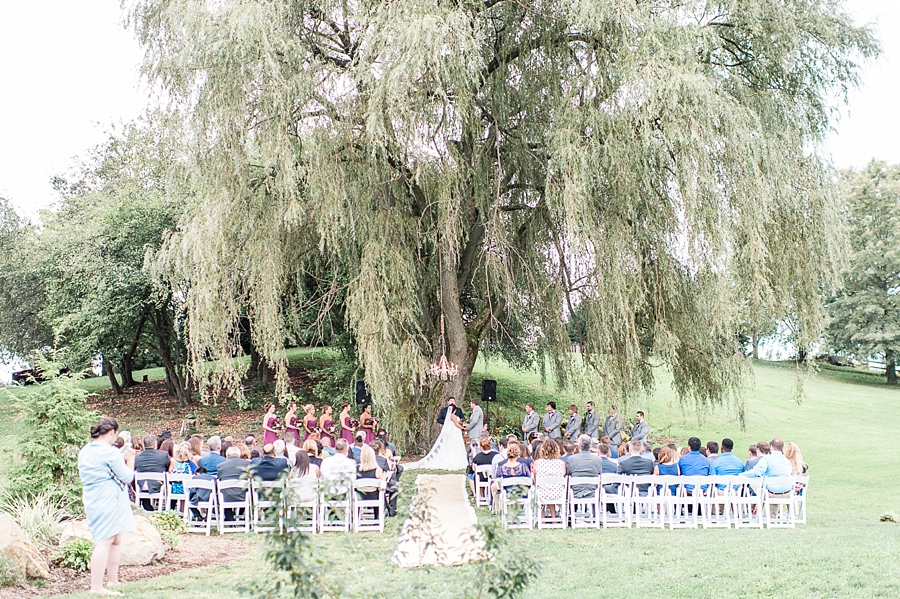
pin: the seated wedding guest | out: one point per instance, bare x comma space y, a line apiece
250, 442
169, 447
484, 457
584, 464
196, 443
183, 465
763, 448
268, 467
119, 443
245, 451
211, 460
712, 451
772, 466
752, 457
137, 444
636, 463
613, 450
290, 446
327, 449
225, 445
536, 445
358, 442
233, 468
382, 436
684, 450
197, 495
151, 461
303, 468
694, 463
381, 454
792, 453
549, 465
512, 467
279, 447
667, 466
368, 468
500, 457
524, 457
567, 450
610, 466
647, 452
312, 449
339, 469
704, 453
727, 464
656, 451
622, 450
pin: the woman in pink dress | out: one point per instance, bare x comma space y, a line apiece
310, 422
346, 426
368, 423
326, 421
291, 422
270, 426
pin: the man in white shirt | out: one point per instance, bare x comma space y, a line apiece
291, 447
339, 470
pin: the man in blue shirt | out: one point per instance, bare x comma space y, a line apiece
773, 465
727, 464
212, 460
693, 463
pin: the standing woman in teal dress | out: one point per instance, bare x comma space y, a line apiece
105, 471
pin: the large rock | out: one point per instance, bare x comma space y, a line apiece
15, 544
139, 547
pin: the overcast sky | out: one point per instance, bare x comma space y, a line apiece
69, 71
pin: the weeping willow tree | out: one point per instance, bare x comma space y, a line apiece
502, 163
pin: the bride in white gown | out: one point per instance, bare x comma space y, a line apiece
448, 452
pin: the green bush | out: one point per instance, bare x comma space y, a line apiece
39, 516
170, 526
10, 575
57, 422
75, 554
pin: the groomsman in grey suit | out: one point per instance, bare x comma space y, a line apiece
552, 420
532, 421
573, 427
612, 427
591, 422
641, 428
475, 425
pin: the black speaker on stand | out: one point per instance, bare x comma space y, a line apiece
362, 394
488, 394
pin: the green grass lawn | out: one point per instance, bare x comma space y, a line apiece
843, 428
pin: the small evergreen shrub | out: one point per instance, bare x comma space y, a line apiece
170, 526
75, 554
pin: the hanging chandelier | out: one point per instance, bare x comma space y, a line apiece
443, 369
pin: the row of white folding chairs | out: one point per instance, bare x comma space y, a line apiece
618, 500
306, 503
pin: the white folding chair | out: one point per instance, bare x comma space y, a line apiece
516, 507
267, 505
778, 508
483, 487
144, 483
544, 519
301, 498
715, 502
206, 509
368, 514
240, 508
615, 495
647, 507
584, 511
801, 488
746, 502
682, 505
335, 504
178, 498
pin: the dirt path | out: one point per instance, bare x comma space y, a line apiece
444, 532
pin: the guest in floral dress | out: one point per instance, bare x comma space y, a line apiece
549, 464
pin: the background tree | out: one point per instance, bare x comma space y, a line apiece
502, 162
865, 314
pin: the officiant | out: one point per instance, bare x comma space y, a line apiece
451, 404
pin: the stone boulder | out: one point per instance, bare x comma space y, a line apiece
15, 544
139, 547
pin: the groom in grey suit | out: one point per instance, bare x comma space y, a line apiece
475, 425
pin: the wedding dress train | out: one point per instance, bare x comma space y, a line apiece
448, 452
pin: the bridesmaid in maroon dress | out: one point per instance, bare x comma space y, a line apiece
292, 423
367, 423
310, 422
270, 425
326, 421
346, 428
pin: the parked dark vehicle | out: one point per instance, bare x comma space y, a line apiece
30, 375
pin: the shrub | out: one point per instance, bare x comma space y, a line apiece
10, 575
75, 554
170, 526
39, 516
57, 422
